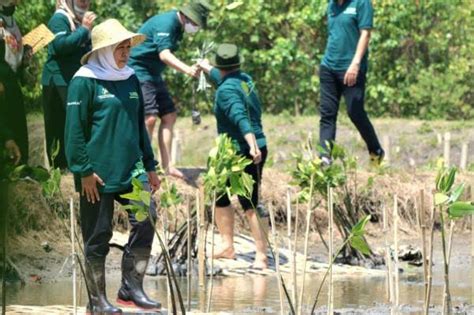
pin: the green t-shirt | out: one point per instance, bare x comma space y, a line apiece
237, 108
344, 24
65, 51
105, 132
163, 31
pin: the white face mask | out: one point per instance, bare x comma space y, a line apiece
79, 11
190, 28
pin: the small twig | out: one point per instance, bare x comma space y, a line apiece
209, 297
277, 258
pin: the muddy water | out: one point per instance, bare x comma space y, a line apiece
259, 294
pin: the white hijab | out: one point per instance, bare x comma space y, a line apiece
63, 8
101, 65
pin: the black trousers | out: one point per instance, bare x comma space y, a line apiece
54, 107
96, 225
332, 88
12, 110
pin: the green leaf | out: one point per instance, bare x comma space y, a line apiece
450, 179
359, 228
456, 193
358, 243
130, 207
234, 5
460, 209
440, 198
137, 184
135, 196
145, 197
141, 215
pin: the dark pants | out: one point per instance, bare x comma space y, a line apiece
332, 88
96, 225
12, 110
54, 107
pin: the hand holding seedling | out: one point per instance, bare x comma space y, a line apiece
154, 181
89, 187
205, 65
13, 151
194, 71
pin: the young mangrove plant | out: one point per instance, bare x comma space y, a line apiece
446, 199
141, 200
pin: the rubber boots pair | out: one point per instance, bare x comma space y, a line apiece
95, 278
134, 264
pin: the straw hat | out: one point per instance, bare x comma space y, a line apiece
109, 33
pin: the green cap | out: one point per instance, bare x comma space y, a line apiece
226, 56
197, 11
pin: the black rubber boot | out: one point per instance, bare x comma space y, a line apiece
95, 277
134, 263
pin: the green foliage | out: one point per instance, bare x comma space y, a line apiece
139, 200
224, 166
420, 54
311, 169
447, 197
356, 238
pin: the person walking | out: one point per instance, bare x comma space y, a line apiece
343, 72
238, 113
71, 24
106, 147
164, 33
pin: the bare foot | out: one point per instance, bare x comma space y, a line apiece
260, 262
175, 173
228, 253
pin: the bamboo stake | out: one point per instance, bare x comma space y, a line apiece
430, 260
464, 150
202, 236
277, 258
188, 253
288, 234
422, 225
386, 145
447, 295
209, 297
164, 223
331, 253
388, 259
306, 238
395, 233
295, 269
447, 149
73, 257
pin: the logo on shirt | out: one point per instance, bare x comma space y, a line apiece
133, 95
105, 94
350, 10
74, 103
163, 34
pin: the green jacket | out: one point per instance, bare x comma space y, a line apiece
105, 132
65, 51
163, 31
237, 108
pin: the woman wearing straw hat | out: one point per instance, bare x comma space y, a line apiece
238, 113
106, 146
71, 25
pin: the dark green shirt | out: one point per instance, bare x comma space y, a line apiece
163, 31
237, 108
105, 132
65, 51
344, 25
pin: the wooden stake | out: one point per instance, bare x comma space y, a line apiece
202, 236
464, 150
306, 238
331, 252
429, 261
447, 149
396, 269
73, 257
422, 225
190, 265
386, 145
277, 257
388, 259
289, 239
213, 222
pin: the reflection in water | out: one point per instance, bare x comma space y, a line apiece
255, 294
